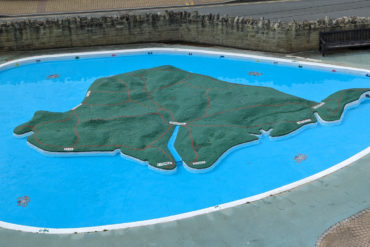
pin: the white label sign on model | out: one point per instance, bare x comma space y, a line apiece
304, 121
199, 162
319, 105
176, 123
164, 163
74, 108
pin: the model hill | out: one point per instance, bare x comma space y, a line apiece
136, 113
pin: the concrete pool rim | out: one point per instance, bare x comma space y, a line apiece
220, 54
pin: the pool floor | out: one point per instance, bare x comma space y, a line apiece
82, 191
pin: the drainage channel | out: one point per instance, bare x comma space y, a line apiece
171, 146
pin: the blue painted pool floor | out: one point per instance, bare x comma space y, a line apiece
88, 191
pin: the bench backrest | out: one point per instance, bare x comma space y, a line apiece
343, 36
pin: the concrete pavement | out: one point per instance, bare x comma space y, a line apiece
11, 7
353, 231
284, 10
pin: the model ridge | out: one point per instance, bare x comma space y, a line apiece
137, 112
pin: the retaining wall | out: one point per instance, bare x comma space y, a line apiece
239, 32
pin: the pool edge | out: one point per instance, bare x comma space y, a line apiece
276, 191
246, 200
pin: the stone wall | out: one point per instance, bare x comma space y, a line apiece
239, 32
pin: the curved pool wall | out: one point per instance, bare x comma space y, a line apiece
73, 194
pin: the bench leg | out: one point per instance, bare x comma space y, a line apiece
321, 49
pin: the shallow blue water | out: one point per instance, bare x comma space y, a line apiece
171, 146
98, 190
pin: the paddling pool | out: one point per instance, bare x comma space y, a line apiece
97, 190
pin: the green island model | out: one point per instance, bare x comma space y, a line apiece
137, 112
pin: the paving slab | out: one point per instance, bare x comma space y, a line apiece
11, 7
287, 10
351, 232
275, 10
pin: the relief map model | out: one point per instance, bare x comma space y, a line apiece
137, 113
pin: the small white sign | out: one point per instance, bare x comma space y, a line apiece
176, 123
68, 149
164, 163
74, 108
199, 162
304, 121
319, 105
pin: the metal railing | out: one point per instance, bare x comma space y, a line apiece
343, 39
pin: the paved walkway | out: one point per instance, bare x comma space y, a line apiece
351, 232
295, 218
14, 7
284, 10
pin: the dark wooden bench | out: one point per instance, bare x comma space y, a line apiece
344, 39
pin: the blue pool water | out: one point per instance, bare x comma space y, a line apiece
84, 191
171, 146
